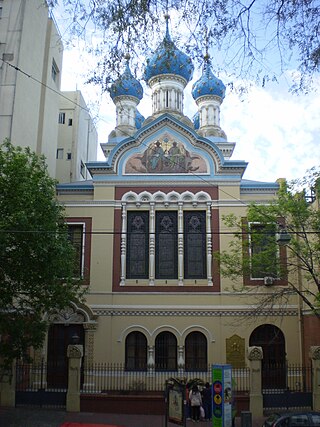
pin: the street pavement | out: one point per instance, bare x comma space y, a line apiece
35, 417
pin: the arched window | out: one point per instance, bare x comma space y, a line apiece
136, 352
196, 358
166, 352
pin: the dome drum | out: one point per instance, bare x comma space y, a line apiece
126, 112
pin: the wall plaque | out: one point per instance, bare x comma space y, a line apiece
235, 351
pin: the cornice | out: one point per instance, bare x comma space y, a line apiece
163, 77
208, 97
194, 313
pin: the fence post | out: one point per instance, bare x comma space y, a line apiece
315, 358
74, 353
255, 356
7, 386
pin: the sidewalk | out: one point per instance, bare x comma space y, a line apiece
35, 417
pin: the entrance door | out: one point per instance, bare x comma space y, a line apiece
59, 337
271, 339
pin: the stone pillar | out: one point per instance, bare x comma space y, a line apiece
151, 362
7, 387
209, 245
74, 354
315, 358
123, 245
181, 362
180, 243
255, 356
152, 244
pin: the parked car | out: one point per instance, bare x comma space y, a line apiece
293, 419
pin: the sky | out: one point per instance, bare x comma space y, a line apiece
277, 132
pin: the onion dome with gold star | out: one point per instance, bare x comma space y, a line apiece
208, 84
168, 59
126, 85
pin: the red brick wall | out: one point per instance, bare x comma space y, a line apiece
123, 404
310, 334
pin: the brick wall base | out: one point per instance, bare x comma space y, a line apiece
145, 404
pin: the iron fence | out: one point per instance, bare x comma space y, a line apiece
289, 377
34, 388
106, 378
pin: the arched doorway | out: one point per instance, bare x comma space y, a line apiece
272, 341
65, 327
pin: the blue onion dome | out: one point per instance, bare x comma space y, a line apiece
196, 120
139, 119
208, 84
126, 85
168, 59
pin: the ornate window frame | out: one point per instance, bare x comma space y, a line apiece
152, 202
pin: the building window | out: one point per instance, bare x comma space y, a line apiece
60, 153
62, 118
196, 352
136, 352
166, 245
70, 122
264, 256
75, 234
79, 229
195, 245
69, 156
166, 240
138, 245
54, 71
166, 352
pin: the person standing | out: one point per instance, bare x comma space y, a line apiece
207, 402
195, 402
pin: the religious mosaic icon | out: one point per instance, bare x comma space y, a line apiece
166, 155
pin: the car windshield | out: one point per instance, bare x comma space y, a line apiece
299, 420
315, 419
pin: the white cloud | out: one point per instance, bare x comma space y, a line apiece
277, 133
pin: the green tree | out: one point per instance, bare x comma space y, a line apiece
245, 37
254, 249
34, 250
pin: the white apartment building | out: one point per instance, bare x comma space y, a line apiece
77, 138
31, 53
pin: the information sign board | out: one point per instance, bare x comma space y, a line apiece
222, 395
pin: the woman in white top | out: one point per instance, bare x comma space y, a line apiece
195, 402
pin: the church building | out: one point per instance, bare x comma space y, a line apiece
146, 227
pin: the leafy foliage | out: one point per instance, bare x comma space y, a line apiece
34, 250
296, 208
242, 35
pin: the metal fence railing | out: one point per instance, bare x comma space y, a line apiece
104, 378
290, 377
